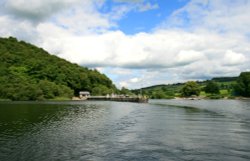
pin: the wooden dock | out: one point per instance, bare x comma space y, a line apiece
118, 99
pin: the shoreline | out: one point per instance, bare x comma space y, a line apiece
207, 98
78, 99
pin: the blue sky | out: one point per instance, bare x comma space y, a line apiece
144, 21
138, 42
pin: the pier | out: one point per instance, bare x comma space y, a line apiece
85, 95
118, 99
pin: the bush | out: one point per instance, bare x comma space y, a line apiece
214, 96
190, 88
242, 88
212, 87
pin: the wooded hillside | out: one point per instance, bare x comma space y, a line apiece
30, 73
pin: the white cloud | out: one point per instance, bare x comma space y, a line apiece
22, 29
162, 49
188, 57
36, 10
123, 7
129, 1
83, 19
135, 80
213, 15
215, 42
231, 58
147, 6
119, 71
123, 84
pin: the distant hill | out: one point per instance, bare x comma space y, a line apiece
225, 79
31, 73
173, 90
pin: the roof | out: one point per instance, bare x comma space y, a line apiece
84, 92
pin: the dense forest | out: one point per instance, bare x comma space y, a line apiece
30, 73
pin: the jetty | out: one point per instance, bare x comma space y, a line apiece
83, 95
118, 99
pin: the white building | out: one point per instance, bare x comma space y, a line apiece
84, 94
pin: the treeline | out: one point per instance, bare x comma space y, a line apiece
215, 88
225, 79
30, 73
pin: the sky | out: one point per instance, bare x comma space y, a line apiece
138, 43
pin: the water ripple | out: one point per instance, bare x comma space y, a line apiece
160, 130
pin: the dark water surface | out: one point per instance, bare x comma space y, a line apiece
161, 130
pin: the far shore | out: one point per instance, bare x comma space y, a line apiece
207, 98
175, 98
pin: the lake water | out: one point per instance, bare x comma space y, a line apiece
160, 130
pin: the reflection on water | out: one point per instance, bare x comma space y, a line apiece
161, 130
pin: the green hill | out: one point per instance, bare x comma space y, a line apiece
162, 91
30, 73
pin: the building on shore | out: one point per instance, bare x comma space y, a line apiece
84, 94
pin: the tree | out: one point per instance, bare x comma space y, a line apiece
100, 90
125, 91
158, 95
190, 88
168, 91
212, 87
242, 87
